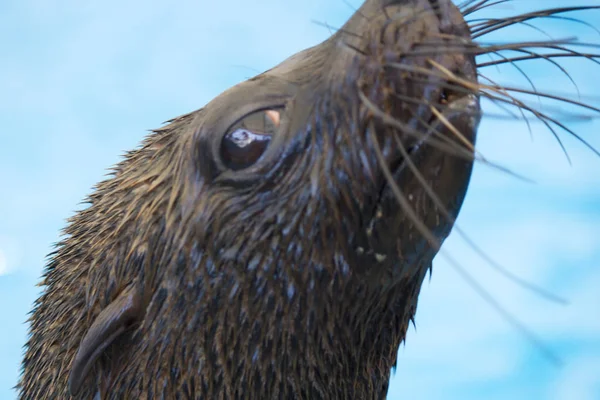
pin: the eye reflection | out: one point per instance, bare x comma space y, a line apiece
247, 140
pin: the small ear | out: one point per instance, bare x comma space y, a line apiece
110, 323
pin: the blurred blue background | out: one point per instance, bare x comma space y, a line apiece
82, 81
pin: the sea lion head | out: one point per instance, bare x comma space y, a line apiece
313, 164
273, 243
300, 223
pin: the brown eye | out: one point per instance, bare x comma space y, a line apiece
246, 141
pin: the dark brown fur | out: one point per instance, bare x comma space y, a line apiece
294, 278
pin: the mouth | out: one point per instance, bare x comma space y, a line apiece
373, 243
376, 245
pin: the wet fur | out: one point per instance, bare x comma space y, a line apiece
284, 306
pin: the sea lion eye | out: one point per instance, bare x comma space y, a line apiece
246, 141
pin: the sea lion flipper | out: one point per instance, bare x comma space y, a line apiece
107, 326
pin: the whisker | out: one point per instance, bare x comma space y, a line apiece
494, 25
541, 117
479, 48
511, 116
435, 243
502, 270
483, 21
518, 46
471, 8
470, 86
545, 117
411, 100
446, 213
507, 95
537, 56
524, 74
349, 46
414, 133
545, 95
452, 128
504, 93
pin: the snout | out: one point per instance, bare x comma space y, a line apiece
416, 81
410, 66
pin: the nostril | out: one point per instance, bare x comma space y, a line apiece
451, 92
446, 96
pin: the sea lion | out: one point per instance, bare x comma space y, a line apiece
273, 243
